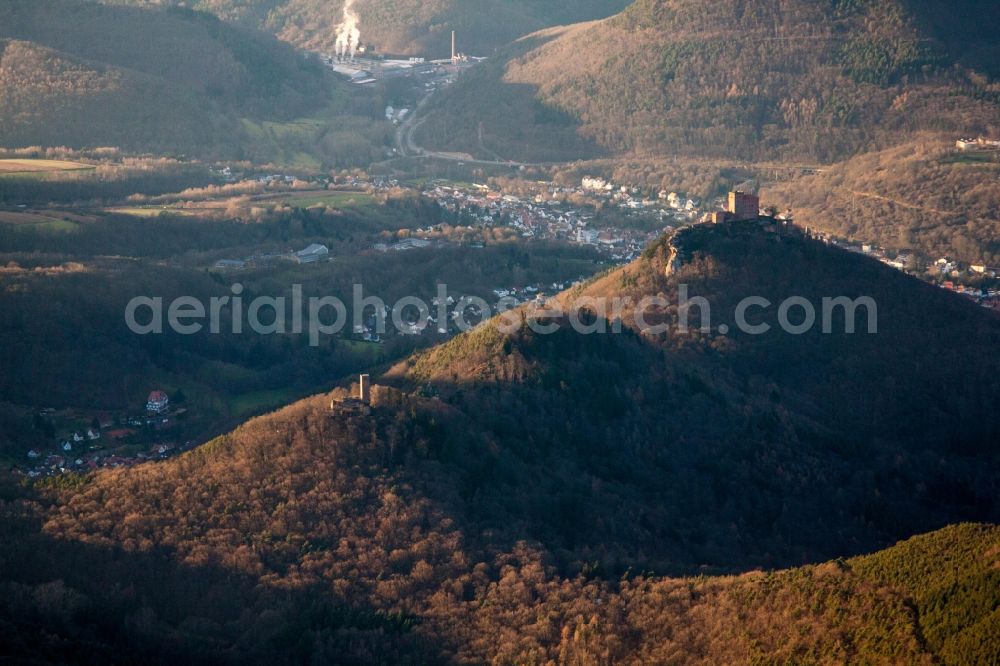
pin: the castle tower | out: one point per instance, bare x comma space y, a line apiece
365, 389
743, 206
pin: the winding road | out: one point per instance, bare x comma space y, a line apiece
406, 146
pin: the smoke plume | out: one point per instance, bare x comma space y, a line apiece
348, 33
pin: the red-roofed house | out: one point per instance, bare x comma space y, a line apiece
157, 402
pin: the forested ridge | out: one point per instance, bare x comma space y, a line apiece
175, 81
687, 496
760, 80
516, 497
418, 27
311, 535
694, 419
922, 195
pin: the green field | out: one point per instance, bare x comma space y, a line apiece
331, 199
255, 402
284, 140
302, 128
365, 351
56, 226
36, 222
156, 211
974, 157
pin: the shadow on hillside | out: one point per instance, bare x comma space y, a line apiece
494, 119
770, 451
968, 31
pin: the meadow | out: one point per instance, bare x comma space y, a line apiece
10, 167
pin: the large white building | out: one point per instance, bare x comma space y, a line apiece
980, 143
595, 184
314, 252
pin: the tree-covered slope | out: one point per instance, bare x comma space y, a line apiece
49, 98
500, 498
761, 80
311, 535
404, 26
951, 577
82, 74
922, 195
731, 440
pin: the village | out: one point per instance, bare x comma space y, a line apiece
550, 215
945, 272
547, 218
108, 441
112, 441
552, 212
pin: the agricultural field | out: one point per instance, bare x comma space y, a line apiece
253, 206
346, 133
333, 199
302, 128
44, 220
156, 211
11, 167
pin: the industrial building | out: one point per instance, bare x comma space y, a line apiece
314, 252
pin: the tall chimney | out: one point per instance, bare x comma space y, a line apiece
453, 47
365, 389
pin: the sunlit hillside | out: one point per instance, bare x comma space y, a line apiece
799, 82
421, 27
923, 195
637, 332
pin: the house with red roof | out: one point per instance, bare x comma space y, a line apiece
157, 402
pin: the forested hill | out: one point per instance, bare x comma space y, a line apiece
921, 195
497, 500
421, 27
772, 447
83, 74
759, 80
315, 535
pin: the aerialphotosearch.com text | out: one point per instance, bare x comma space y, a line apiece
318, 316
